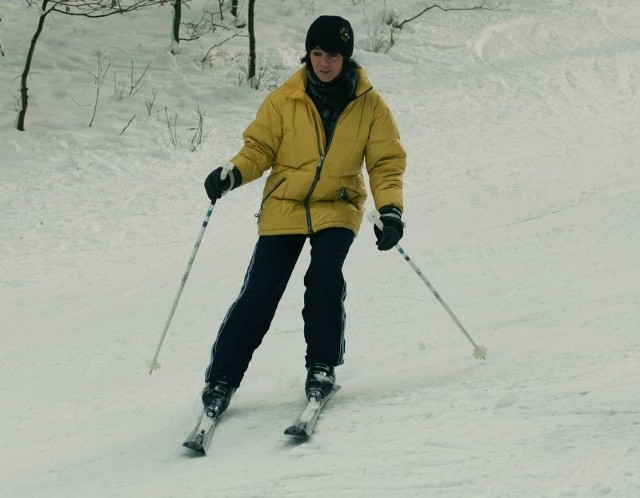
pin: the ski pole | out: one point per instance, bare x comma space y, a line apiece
153, 364
479, 352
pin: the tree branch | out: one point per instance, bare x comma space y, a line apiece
99, 8
482, 6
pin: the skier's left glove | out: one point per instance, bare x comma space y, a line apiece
216, 186
391, 232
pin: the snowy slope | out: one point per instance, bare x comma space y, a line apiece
522, 207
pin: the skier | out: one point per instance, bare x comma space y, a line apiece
312, 134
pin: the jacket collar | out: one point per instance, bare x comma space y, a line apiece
295, 86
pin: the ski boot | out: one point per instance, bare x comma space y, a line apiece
216, 397
320, 381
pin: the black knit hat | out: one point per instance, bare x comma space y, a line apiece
331, 34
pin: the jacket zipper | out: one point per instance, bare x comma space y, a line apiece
316, 178
323, 155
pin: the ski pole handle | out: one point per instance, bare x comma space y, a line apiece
226, 169
374, 217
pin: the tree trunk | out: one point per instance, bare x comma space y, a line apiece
234, 8
27, 67
177, 18
252, 42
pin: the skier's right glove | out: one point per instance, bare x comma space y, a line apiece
216, 186
391, 232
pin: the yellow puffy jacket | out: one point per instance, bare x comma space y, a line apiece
313, 186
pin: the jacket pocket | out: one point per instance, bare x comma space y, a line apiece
269, 194
344, 195
349, 196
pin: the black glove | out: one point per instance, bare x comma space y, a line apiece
216, 186
392, 229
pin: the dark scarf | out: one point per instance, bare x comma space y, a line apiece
332, 98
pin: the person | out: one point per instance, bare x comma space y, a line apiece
312, 134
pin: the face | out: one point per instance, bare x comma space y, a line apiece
326, 65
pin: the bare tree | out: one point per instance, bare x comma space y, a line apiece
252, 41
1, 51
86, 8
197, 28
177, 19
211, 21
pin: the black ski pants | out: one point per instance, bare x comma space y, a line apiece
249, 317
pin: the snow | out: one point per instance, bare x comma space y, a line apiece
522, 207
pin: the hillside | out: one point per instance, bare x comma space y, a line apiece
522, 198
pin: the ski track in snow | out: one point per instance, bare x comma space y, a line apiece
522, 201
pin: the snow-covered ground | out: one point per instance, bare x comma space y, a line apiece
522, 208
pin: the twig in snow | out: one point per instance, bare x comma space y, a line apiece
127, 126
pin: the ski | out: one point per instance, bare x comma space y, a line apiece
200, 436
306, 421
